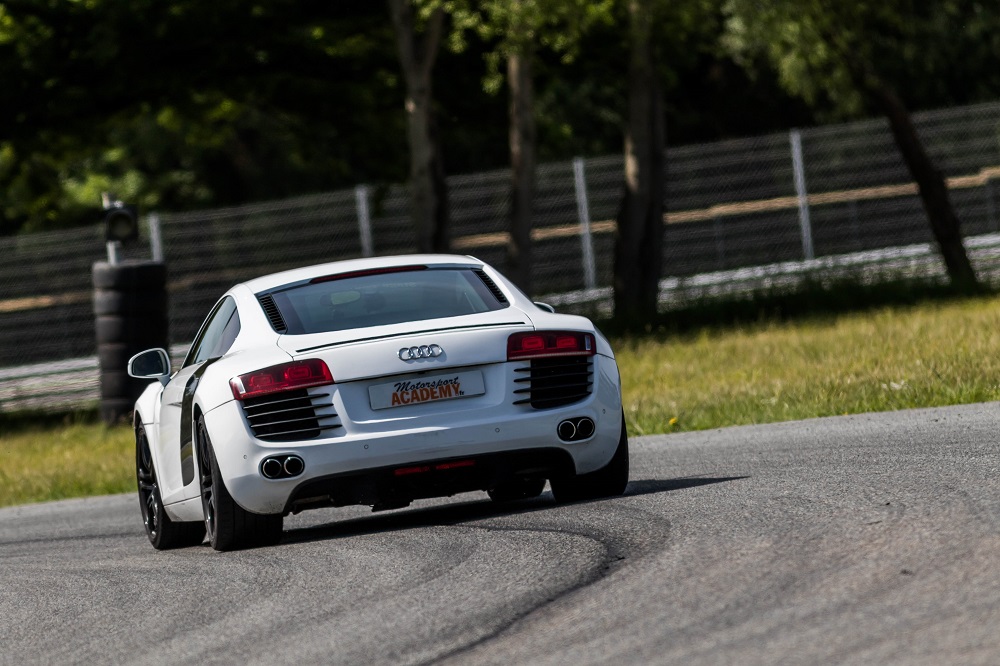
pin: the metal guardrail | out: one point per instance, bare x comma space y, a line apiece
74, 383
61, 385
743, 215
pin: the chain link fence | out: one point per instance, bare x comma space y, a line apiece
742, 215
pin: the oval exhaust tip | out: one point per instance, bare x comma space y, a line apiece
294, 465
271, 468
566, 430
585, 428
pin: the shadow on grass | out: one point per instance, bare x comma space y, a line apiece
454, 514
813, 298
31, 420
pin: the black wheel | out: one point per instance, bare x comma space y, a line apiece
608, 481
228, 525
517, 490
163, 533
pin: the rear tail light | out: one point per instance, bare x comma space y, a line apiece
543, 344
294, 375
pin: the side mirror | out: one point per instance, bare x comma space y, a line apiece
545, 306
150, 364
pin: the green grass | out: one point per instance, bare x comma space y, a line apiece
61, 458
760, 367
898, 357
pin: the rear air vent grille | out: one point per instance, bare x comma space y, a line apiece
291, 415
491, 285
554, 382
273, 315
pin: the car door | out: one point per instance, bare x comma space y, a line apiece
177, 463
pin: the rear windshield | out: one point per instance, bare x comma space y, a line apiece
381, 299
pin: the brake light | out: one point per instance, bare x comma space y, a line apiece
541, 344
294, 375
365, 273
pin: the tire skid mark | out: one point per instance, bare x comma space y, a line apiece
617, 553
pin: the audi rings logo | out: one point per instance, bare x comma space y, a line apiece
423, 351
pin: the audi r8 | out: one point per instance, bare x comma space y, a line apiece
372, 382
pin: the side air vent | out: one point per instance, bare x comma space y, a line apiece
291, 415
554, 382
491, 285
271, 310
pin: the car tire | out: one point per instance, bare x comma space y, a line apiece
129, 276
609, 481
112, 303
115, 410
147, 331
117, 384
163, 533
517, 490
229, 526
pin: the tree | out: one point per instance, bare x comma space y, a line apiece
520, 28
639, 231
417, 53
851, 54
288, 97
519, 46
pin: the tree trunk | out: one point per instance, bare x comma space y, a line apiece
933, 189
639, 235
428, 190
522, 166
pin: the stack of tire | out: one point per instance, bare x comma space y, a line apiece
130, 308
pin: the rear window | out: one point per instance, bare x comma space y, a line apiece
381, 299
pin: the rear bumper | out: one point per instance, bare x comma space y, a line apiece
396, 486
336, 467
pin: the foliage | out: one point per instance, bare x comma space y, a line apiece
100, 95
527, 27
939, 52
188, 104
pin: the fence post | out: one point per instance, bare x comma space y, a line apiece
720, 243
364, 220
155, 237
852, 206
583, 213
798, 167
990, 213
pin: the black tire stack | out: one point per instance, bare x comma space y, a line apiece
130, 309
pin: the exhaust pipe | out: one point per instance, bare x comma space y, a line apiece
271, 468
282, 467
573, 430
294, 465
584, 428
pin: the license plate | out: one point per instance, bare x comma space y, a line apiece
426, 389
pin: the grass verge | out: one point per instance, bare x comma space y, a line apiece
58, 458
896, 357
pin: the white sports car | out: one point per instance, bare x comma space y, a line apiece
374, 382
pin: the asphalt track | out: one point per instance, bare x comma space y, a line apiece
859, 539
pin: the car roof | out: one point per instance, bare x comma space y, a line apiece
266, 282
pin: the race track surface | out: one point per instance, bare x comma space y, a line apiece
861, 539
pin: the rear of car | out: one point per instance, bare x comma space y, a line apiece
412, 381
